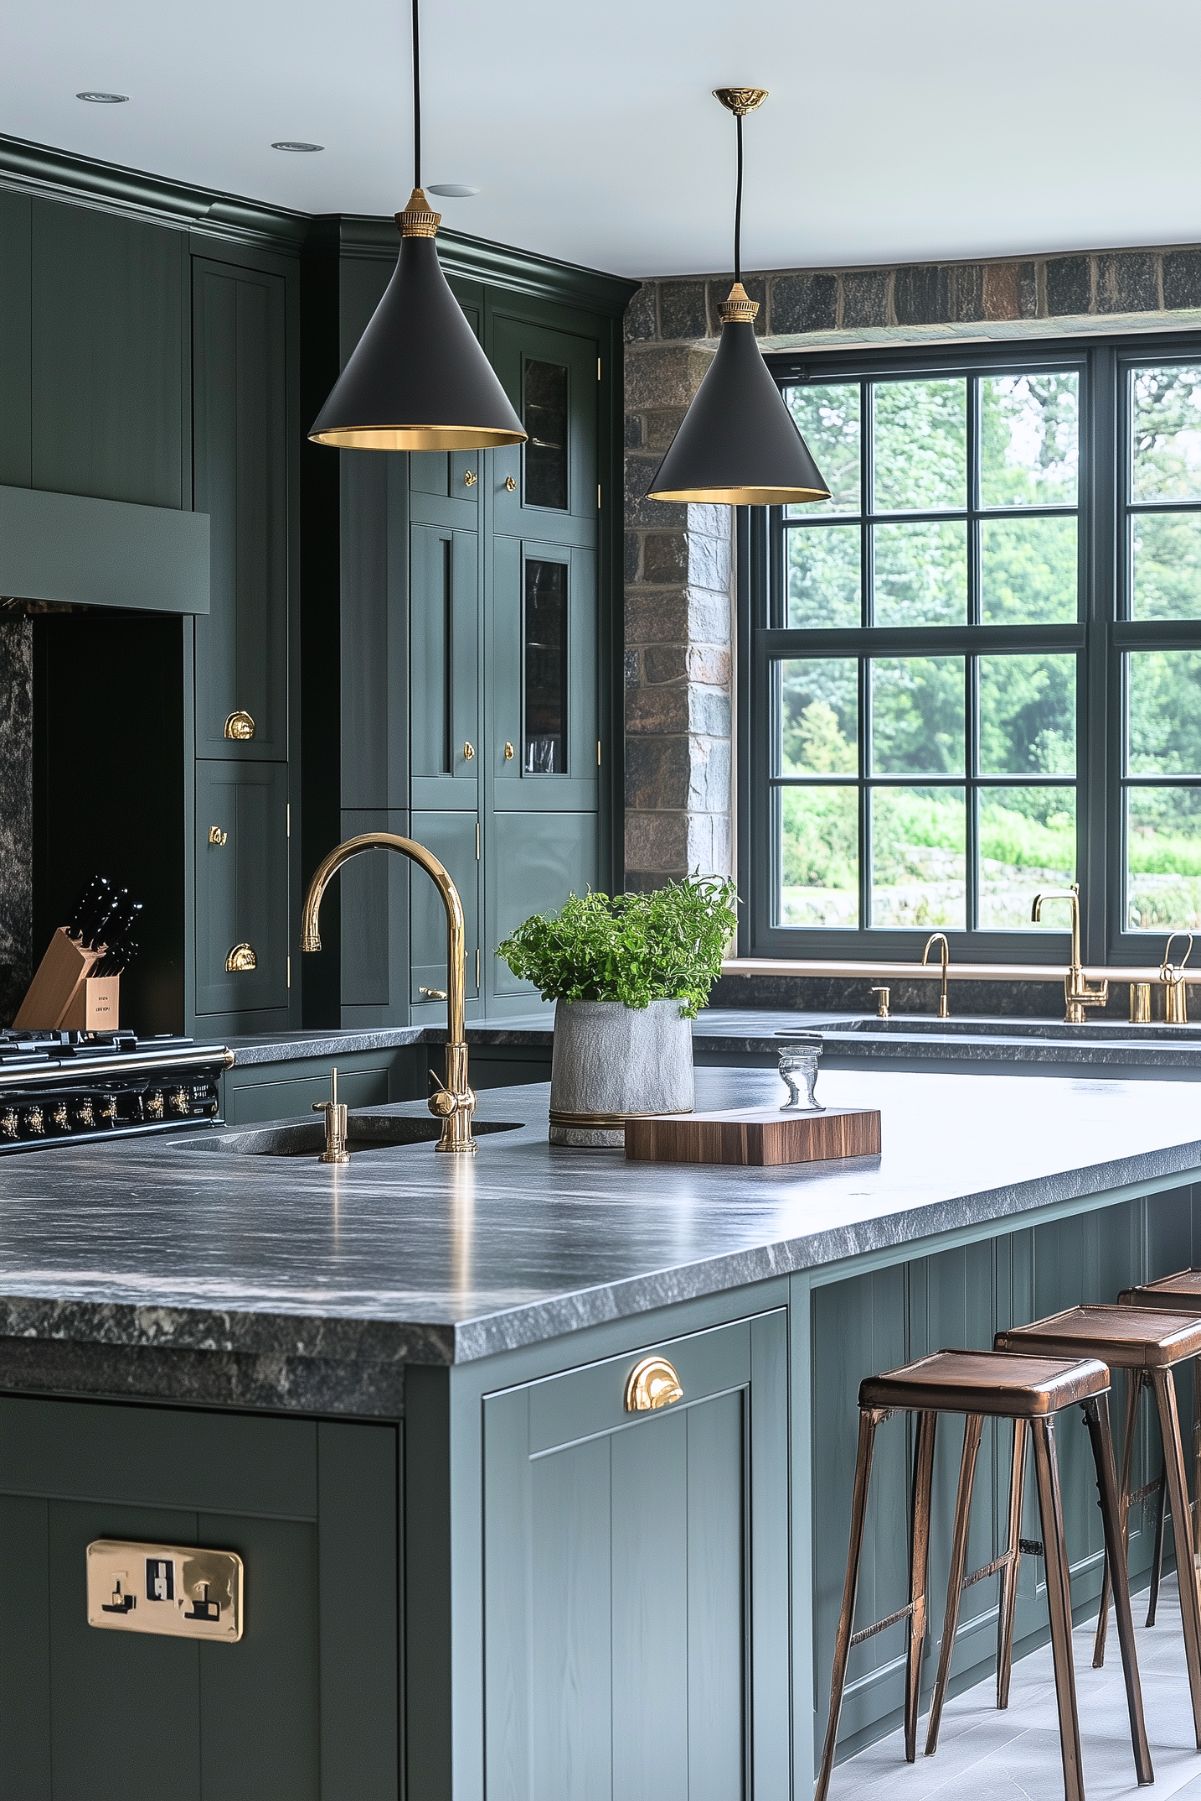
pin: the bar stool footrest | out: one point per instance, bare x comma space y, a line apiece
894, 1619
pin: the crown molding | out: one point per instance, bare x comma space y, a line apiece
59, 174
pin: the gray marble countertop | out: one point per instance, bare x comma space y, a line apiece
405, 1256
849, 1038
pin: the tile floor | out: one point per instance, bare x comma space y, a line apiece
984, 1755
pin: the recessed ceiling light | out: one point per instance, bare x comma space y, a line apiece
98, 97
450, 190
295, 144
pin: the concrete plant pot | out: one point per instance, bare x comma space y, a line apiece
610, 1061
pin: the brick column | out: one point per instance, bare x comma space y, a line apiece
678, 612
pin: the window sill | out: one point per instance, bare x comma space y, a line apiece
976, 972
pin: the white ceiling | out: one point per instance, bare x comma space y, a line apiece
894, 132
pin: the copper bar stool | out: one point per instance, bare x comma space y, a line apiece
1030, 1391
1177, 1293
1149, 1345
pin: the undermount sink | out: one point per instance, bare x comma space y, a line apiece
993, 1027
364, 1132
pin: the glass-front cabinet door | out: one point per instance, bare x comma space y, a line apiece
543, 660
547, 486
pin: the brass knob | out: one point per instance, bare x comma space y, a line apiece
652, 1384
8, 1123
510, 753
35, 1122
156, 1105
468, 751
217, 836
239, 726
469, 479
432, 994
510, 484
181, 1102
240, 959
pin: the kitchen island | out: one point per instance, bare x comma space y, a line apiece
398, 1390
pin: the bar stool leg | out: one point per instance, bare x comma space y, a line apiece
1196, 1535
919, 1563
1096, 1414
1010, 1570
1186, 1569
972, 1427
869, 1419
1059, 1603
1161, 1520
1134, 1387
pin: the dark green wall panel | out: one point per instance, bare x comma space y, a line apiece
16, 340
109, 370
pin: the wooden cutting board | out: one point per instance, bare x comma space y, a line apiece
759, 1136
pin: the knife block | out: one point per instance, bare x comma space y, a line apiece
65, 996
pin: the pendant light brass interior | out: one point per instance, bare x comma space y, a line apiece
418, 378
738, 444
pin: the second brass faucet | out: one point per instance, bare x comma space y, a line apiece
1078, 991
944, 956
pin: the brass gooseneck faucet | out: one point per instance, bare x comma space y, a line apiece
944, 958
1078, 992
454, 1102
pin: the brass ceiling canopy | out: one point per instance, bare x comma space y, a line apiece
738, 444
418, 378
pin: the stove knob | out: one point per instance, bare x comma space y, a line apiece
59, 1116
35, 1122
181, 1102
155, 1104
85, 1114
108, 1109
8, 1123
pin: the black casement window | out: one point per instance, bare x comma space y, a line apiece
975, 671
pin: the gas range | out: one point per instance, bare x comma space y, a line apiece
73, 1087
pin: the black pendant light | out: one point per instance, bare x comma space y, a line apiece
738, 443
418, 378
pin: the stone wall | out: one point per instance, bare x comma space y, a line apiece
16, 811
679, 559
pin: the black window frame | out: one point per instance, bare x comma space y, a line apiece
1102, 632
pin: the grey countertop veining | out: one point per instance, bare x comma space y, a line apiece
406, 1256
731, 1032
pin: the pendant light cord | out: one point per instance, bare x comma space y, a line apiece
737, 198
417, 98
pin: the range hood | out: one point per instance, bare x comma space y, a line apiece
102, 553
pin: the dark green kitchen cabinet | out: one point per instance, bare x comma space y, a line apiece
543, 664
636, 1612
109, 357
537, 860
444, 657
302, 1708
16, 339
547, 487
454, 839
242, 887
242, 455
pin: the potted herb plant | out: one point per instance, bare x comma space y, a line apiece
627, 974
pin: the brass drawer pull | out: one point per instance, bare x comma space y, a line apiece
652, 1384
241, 959
469, 479
510, 753
468, 751
510, 484
217, 836
239, 726
432, 994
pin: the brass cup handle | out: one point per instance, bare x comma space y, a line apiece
510, 484
241, 959
432, 994
217, 836
652, 1384
468, 751
510, 753
469, 479
240, 726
